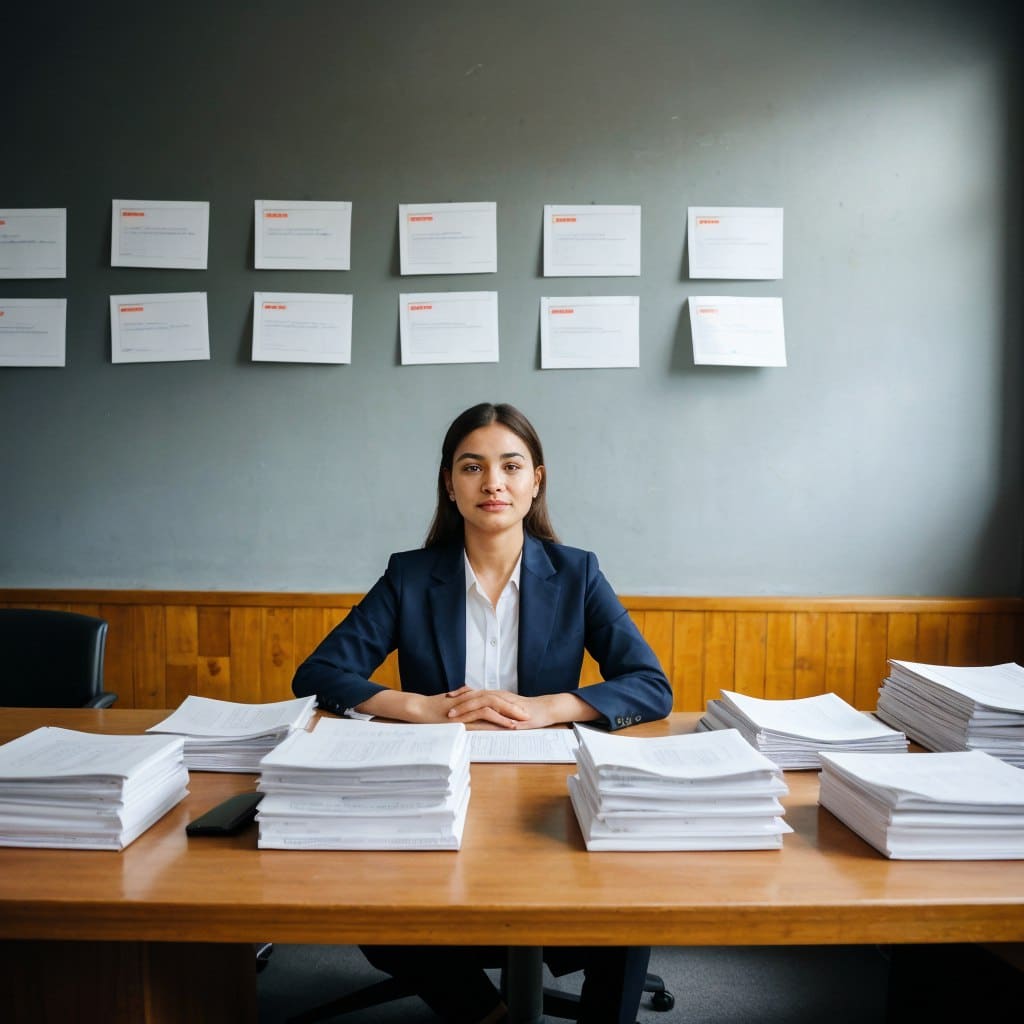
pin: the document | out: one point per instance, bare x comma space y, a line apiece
591, 241
964, 805
589, 332
67, 789
224, 736
735, 242
729, 331
153, 233
303, 235
449, 327
33, 243
410, 784
448, 238
160, 328
32, 332
793, 733
527, 746
293, 327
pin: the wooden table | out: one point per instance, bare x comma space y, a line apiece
163, 930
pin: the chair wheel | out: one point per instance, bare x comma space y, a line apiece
662, 1001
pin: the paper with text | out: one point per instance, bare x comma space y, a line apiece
303, 235
735, 242
522, 746
589, 332
165, 327
155, 233
591, 241
33, 243
33, 332
448, 238
731, 331
449, 327
294, 327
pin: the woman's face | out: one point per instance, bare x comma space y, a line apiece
493, 480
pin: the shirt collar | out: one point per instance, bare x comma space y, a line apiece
471, 580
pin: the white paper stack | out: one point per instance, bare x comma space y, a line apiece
965, 805
792, 732
951, 708
222, 736
706, 791
68, 789
366, 786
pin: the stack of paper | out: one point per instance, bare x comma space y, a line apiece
946, 708
792, 732
221, 736
957, 806
366, 786
62, 788
707, 791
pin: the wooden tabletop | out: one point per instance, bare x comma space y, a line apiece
523, 877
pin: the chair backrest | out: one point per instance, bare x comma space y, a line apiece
50, 659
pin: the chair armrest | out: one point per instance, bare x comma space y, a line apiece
103, 700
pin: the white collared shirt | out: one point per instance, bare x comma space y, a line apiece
492, 634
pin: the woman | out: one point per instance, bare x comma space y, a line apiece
491, 618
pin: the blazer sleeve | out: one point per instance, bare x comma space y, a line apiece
338, 671
635, 688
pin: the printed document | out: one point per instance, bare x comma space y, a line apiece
303, 235
449, 327
522, 746
730, 331
589, 331
166, 327
735, 242
591, 241
32, 332
151, 233
33, 243
293, 327
448, 238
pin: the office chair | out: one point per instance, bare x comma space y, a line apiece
557, 1003
52, 659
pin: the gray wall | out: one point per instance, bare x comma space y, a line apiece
885, 460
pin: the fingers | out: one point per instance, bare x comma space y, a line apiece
488, 706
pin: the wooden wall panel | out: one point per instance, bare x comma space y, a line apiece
164, 645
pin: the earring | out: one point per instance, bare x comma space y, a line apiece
451, 496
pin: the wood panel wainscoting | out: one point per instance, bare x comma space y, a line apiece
164, 645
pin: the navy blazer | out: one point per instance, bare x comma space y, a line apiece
419, 606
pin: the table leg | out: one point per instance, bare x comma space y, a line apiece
525, 985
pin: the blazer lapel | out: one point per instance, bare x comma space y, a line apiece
538, 600
447, 598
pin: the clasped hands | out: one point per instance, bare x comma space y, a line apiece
493, 709
480, 709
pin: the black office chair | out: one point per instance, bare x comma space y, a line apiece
557, 1003
52, 659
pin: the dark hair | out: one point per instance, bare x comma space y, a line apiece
447, 526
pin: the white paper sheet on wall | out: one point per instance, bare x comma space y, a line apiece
727, 242
448, 238
156, 233
302, 235
297, 327
730, 331
590, 332
32, 332
33, 243
449, 327
591, 241
166, 327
